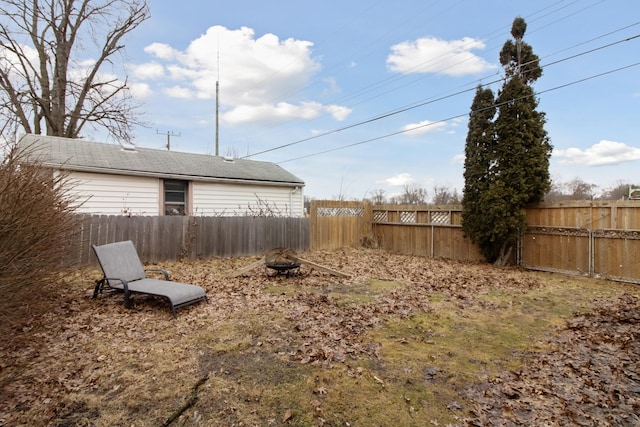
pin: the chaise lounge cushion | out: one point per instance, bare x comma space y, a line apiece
178, 293
123, 271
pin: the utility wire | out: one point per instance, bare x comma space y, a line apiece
461, 115
458, 63
440, 58
422, 66
430, 101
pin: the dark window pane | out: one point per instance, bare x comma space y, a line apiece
175, 197
175, 186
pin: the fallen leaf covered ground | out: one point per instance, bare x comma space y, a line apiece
68, 359
590, 377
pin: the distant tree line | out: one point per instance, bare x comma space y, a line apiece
416, 195
578, 189
575, 189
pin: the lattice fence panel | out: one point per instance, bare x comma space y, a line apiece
380, 216
408, 217
440, 217
335, 212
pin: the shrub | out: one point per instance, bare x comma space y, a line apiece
36, 222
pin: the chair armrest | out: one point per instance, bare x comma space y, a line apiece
164, 272
125, 285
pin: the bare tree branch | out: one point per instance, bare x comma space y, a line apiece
39, 46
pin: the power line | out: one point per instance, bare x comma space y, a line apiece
440, 58
458, 63
430, 101
385, 82
461, 115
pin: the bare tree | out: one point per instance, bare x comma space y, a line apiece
412, 195
576, 189
581, 190
445, 196
44, 83
378, 197
620, 191
556, 192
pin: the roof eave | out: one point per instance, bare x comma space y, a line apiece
90, 169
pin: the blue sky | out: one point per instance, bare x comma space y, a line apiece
359, 96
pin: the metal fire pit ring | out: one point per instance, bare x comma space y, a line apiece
282, 260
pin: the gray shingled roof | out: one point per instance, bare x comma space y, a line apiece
87, 156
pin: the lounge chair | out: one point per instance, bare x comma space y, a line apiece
124, 272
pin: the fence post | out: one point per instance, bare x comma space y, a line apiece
313, 224
366, 225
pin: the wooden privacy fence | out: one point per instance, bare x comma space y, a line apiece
337, 224
161, 238
597, 239
432, 231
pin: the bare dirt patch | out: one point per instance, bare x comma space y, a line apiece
405, 341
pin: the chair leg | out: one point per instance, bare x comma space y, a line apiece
98, 288
127, 299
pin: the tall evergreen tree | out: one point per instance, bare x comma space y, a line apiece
479, 147
517, 57
501, 180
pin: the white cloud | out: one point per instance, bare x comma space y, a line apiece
148, 71
423, 127
86, 63
458, 159
162, 51
282, 111
432, 55
8, 57
268, 113
179, 92
338, 112
140, 90
332, 86
603, 153
256, 75
400, 180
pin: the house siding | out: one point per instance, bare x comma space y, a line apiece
108, 179
109, 194
246, 200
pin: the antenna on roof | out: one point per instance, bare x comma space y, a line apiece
169, 135
217, 98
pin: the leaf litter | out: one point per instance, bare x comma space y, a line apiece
63, 354
590, 377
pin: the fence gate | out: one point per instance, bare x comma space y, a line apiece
602, 253
556, 249
616, 255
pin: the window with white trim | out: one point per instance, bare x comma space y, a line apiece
175, 197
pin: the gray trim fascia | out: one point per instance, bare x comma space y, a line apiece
76, 168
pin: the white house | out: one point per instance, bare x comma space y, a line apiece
111, 179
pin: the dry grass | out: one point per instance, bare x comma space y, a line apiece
404, 342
